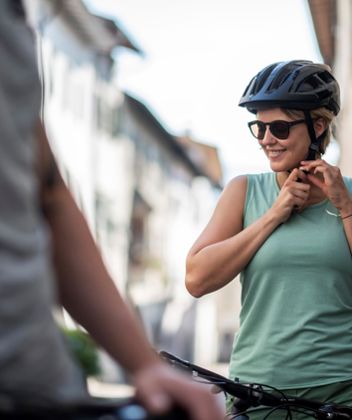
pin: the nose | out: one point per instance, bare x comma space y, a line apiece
268, 138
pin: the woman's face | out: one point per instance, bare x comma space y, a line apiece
285, 154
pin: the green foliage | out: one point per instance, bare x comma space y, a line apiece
84, 350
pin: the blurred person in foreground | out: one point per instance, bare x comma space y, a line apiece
288, 232
47, 251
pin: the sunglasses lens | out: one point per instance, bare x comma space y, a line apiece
280, 129
258, 130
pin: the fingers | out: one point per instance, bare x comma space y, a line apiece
315, 173
316, 181
296, 183
157, 402
301, 195
295, 191
150, 392
298, 204
197, 399
163, 388
214, 389
297, 175
330, 173
330, 181
309, 165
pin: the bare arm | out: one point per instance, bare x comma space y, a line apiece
329, 179
90, 296
347, 224
85, 287
224, 248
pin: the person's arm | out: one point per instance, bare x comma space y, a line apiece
224, 248
347, 223
84, 285
329, 179
90, 296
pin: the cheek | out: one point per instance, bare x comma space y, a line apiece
305, 146
298, 148
304, 138
302, 141
302, 151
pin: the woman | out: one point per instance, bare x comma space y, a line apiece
289, 234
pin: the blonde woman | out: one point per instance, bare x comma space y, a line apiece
289, 234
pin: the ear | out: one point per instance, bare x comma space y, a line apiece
320, 126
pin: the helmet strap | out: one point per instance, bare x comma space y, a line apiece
315, 142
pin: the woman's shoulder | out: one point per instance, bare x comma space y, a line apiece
257, 177
246, 182
237, 185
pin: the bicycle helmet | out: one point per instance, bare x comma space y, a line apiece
298, 84
295, 84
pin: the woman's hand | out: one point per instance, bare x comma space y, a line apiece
293, 195
329, 179
159, 387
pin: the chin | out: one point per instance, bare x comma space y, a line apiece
277, 167
283, 166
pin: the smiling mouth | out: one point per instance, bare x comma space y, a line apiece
275, 153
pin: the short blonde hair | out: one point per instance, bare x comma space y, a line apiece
323, 113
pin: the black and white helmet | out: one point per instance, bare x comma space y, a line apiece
298, 84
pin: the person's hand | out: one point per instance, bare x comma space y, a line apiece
329, 179
293, 195
159, 387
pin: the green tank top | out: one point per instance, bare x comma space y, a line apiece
296, 316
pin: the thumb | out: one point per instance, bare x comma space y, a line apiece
298, 175
156, 402
215, 389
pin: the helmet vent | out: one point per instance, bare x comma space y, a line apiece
309, 84
326, 77
262, 78
280, 80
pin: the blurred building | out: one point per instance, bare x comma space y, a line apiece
145, 193
332, 21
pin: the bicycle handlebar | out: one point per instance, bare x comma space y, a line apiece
236, 389
253, 395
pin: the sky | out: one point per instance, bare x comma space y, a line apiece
199, 56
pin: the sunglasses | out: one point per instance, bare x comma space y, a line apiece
278, 128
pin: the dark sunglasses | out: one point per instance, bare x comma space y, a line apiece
278, 128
